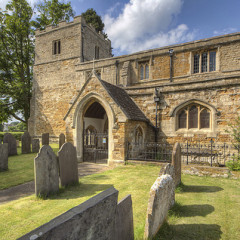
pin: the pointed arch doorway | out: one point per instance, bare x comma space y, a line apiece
95, 133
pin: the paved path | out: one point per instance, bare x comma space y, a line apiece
27, 189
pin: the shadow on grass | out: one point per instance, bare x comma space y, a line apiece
79, 190
196, 189
189, 232
191, 210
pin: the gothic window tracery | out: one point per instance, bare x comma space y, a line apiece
194, 116
144, 70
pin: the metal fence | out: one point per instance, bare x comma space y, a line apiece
150, 152
213, 154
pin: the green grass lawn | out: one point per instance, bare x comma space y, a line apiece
207, 208
20, 169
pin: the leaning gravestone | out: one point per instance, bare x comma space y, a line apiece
68, 167
3, 156
162, 196
176, 163
45, 139
12, 144
61, 140
35, 145
46, 172
26, 143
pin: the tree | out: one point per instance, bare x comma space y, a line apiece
91, 17
51, 12
16, 60
17, 53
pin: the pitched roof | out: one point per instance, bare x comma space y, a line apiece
127, 105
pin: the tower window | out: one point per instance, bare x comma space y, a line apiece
144, 70
56, 47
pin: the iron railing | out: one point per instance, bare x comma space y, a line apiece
213, 154
149, 152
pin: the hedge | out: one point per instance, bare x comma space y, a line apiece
17, 135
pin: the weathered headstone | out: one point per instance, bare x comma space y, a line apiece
176, 163
61, 140
12, 144
167, 169
3, 156
26, 143
124, 220
93, 219
46, 172
161, 198
35, 145
68, 166
45, 139
18, 143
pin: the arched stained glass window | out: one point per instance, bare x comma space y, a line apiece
182, 119
193, 117
204, 119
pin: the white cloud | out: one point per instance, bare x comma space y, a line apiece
224, 31
145, 24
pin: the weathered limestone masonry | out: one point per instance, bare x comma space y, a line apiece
100, 217
196, 102
55, 78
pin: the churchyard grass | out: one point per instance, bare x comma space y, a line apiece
207, 208
20, 169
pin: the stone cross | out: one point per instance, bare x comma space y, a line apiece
46, 172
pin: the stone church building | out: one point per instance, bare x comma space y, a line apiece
185, 91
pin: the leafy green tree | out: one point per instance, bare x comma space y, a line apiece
17, 52
52, 12
16, 60
91, 17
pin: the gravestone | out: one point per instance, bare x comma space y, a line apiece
26, 143
161, 198
68, 167
46, 172
18, 143
93, 220
61, 140
176, 163
35, 145
45, 139
3, 156
12, 144
167, 169
124, 220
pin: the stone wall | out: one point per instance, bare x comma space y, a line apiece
97, 218
57, 83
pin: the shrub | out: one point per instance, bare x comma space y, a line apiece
17, 135
234, 165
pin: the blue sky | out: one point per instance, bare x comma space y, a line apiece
135, 25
